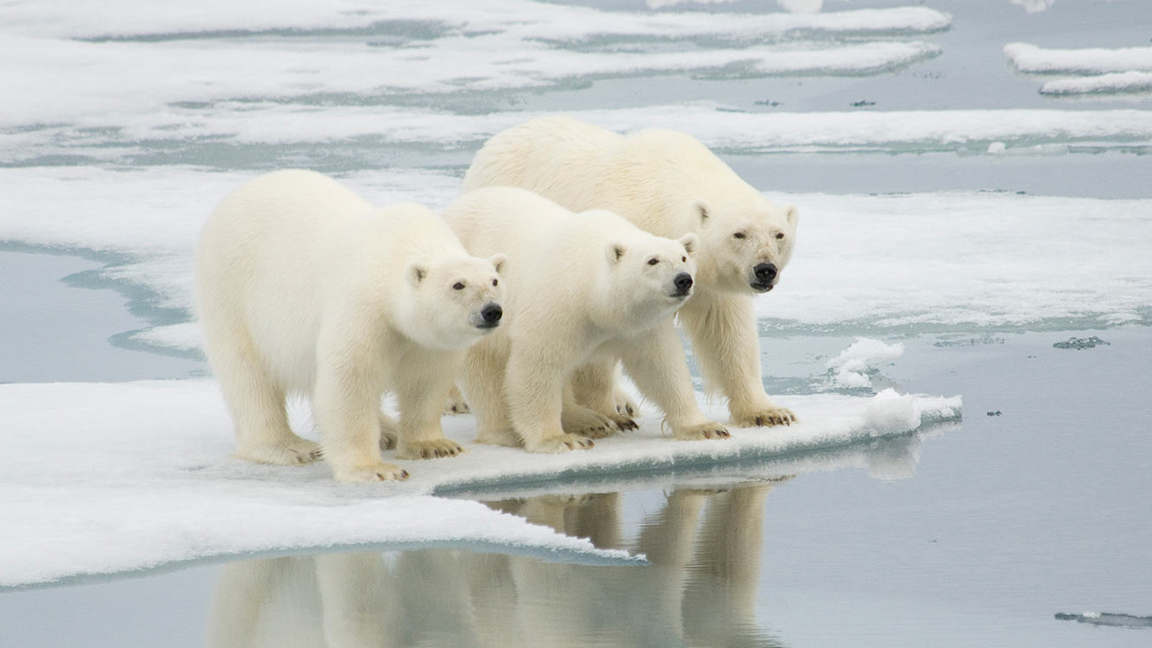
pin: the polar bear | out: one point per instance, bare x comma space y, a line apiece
303, 287
669, 184
583, 289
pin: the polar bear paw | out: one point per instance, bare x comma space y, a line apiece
294, 452
765, 417
455, 404
587, 423
561, 443
709, 430
376, 472
625, 406
433, 449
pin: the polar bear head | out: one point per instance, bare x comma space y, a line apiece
452, 302
648, 277
745, 243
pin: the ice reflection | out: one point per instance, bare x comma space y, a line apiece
704, 543
704, 546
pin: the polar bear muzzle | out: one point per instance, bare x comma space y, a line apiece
764, 277
683, 283
490, 316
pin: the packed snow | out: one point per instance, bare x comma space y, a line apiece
106, 478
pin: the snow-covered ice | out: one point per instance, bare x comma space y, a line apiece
1116, 82
1086, 258
105, 478
1030, 58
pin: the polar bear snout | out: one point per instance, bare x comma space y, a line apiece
764, 277
683, 283
490, 316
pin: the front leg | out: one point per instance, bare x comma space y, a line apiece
727, 349
420, 393
346, 404
534, 387
655, 361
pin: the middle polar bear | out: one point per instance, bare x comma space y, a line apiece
583, 292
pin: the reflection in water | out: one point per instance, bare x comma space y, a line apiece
704, 547
1034, 6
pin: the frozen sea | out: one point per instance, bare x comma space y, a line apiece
975, 189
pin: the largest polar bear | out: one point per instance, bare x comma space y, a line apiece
302, 286
669, 184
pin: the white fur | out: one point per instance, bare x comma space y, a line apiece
303, 287
584, 291
669, 184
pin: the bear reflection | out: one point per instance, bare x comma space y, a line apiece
700, 589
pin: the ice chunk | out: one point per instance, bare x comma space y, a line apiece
1115, 82
131, 476
1034, 6
850, 369
1030, 58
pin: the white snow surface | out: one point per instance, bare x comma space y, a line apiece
1030, 58
1085, 258
60, 67
1113, 83
851, 367
106, 478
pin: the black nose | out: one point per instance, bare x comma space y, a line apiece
492, 313
765, 272
683, 282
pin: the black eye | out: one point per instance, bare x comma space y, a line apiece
494, 282
684, 259
459, 285
739, 235
779, 235
653, 261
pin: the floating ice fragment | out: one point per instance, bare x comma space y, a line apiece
1113, 83
996, 148
1030, 58
1108, 619
851, 368
1033, 6
1080, 344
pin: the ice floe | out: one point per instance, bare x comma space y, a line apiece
106, 478
1086, 259
1113, 83
1030, 58
717, 125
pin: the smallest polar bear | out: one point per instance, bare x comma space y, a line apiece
584, 292
303, 287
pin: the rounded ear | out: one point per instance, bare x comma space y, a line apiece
791, 214
613, 252
498, 261
701, 208
690, 242
416, 273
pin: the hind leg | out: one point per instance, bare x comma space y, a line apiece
256, 402
593, 386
